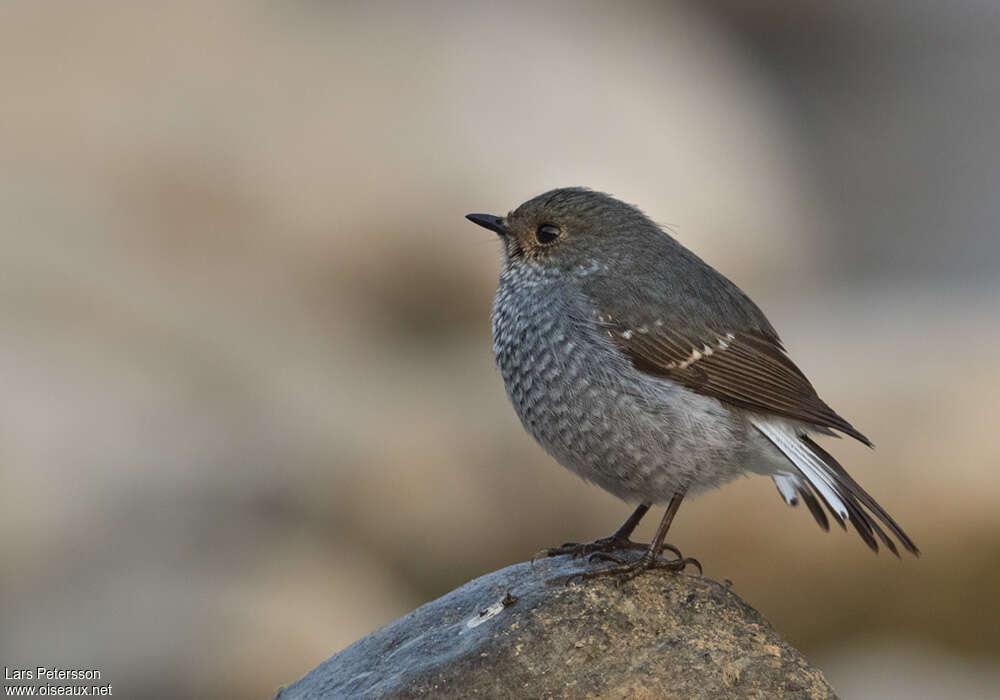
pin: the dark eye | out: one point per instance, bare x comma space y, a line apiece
547, 233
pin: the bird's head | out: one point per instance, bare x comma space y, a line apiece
572, 228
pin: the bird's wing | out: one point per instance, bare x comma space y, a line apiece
745, 368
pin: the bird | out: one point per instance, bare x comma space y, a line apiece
645, 371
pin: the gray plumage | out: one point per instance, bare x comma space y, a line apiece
643, 370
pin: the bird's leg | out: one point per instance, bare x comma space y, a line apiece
651, 558
619, 540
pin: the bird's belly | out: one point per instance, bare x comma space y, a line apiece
637, 437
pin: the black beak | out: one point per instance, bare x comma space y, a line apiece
493, 223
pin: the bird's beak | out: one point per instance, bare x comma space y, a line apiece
493, 223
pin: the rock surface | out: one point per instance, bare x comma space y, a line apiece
523, 632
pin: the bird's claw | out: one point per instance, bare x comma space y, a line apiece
629, 570
576, 550
604, 556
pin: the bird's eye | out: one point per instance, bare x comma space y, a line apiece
547, 233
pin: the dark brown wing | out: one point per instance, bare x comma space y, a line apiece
748, 369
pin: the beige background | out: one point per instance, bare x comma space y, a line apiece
249, 410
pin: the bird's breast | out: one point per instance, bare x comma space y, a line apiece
582, 400
562, 376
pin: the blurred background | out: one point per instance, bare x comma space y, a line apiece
249, 411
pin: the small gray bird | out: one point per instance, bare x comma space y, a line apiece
643, 370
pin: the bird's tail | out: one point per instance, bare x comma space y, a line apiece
820, 478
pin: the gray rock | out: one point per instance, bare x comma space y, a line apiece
522, 632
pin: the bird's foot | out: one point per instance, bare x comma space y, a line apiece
605, 545
628, 570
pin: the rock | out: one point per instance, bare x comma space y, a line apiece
522, 632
